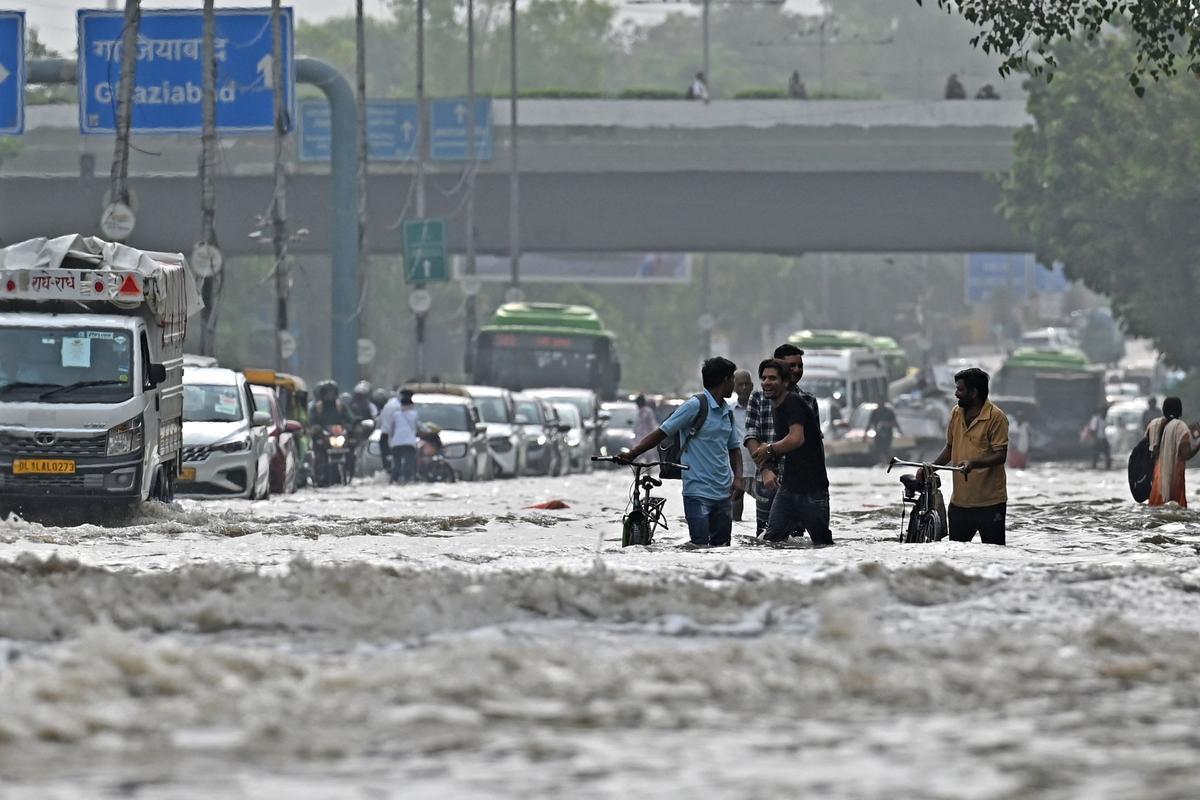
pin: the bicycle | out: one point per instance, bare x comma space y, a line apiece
645, 515
923, 491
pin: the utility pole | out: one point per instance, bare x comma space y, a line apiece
514, 191
472, 166
360, 69
278, 197
119, 191
210, 287
421, 143
707, 77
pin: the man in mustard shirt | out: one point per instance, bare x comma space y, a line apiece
977, 441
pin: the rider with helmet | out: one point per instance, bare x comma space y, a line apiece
360, 402
328, 410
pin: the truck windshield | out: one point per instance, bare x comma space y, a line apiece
65, 365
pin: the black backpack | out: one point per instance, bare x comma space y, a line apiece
1141, 465
670, 449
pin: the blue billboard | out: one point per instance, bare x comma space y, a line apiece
169, 81
391, 130
12, 72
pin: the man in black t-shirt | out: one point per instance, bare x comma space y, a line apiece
802, 496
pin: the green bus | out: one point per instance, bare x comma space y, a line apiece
539, 345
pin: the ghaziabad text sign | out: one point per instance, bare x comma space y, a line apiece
169, 82
12, 72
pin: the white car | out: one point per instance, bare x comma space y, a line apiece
579, 444
507, 442
226, 449
1123, 425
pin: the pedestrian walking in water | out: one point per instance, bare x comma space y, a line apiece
1095, 433
1173, 443
743, 387
1151, 413
976, 441
760, 429
398, 436
801, 501
1020, 442
884, 425
713, 454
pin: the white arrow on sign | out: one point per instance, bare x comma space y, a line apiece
4, 73
460, 111
265, 72
407, 127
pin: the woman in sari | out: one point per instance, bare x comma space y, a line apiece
1174, 444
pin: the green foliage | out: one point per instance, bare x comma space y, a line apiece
558, 94
9, 147
761, 94
1164, 35
651, 94
1105, 182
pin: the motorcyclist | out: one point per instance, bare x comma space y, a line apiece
360, 402
328, 410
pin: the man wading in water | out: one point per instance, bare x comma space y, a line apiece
977, 441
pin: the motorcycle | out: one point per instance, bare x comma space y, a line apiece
431, 464
333, 455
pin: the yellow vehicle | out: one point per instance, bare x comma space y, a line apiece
292, 394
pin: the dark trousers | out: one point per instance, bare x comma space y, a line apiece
710, 522
987, 521
1101, 451
792, 512
762, 506
404, 463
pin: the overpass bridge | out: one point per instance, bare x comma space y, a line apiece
784, 177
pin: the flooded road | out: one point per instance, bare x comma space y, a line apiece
449, 641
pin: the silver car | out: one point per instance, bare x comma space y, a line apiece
463, 435
507, 441
225, 440
579, 445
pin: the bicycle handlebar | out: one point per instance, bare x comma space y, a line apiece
895, 462
611, 459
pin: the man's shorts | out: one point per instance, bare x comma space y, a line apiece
987, 521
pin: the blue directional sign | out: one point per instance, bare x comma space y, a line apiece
169, 85
448, 129
1049, 280
391, 130
12, 72
988, 272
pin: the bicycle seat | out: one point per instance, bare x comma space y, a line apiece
652, 481
912, 483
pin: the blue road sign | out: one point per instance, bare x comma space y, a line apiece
448, 129
12, 72
391, 130
169, 84
988, 272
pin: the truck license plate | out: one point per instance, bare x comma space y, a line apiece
43, 466
187, 474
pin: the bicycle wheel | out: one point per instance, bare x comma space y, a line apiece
634, 530
929, 529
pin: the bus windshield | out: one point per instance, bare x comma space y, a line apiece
65, 365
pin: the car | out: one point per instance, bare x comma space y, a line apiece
578, 444
587, 402
507, 442
282, 434
226, 447
462, 431
618, 430
547, 452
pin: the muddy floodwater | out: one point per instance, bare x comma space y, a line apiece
449, 641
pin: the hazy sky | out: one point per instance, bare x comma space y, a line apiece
55, 19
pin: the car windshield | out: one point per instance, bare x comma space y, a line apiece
824, 387
580, 403
447, 416
623, 415
530, 410
65, 365
208, 403
492, 409
568, 414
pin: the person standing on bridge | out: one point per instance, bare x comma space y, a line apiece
977, 443
699, 88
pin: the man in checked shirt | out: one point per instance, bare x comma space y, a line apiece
760, 430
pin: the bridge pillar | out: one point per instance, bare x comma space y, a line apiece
343, 295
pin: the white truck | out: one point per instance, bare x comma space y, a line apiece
91, 371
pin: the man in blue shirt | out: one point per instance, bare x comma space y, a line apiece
713, 455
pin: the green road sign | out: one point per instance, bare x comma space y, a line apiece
425, 251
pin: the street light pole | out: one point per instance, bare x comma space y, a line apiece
472, 167
707, 77
421, 143
278, 197
514, 193
360, 69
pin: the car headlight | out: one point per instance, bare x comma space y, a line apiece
541, 440
125, 438
236, 446
337, 441
455, 450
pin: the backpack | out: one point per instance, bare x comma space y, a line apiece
671, 450
1141, 466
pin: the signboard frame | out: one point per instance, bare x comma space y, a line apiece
15, 78
87, 83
